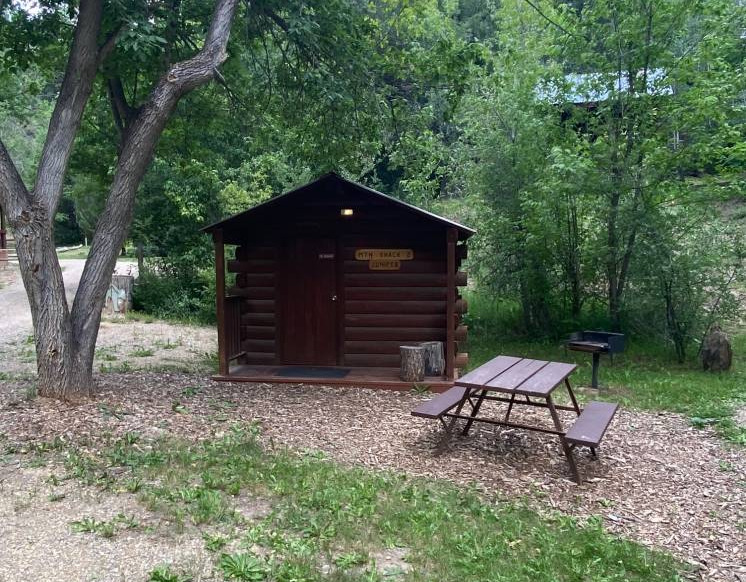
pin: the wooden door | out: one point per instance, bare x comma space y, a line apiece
309, 317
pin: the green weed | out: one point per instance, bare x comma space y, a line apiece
166, 574
320, 508
141, 352
244, 567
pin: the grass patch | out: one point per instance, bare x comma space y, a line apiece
82, 253
142, 352
327, 516
645, 376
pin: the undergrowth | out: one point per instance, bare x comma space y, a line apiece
645, 376
327, 522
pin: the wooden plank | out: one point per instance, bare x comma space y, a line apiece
461, 333
253, 292
258, 319
378, 378
374, 347
246, 252
264, 346
258, 306
484, 373
393, 279
259, 358
461, 360
372, 360
257, 332
544, 381
461, 279
232, 328
442, 403
517, 374
217, 239
391, 320
253, 266
591, 425
402, 334
450, 283
340, 291
396, 293
411, 307
414, 266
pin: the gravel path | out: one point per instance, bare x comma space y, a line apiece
658, 480
37, 543
134, 345
15, 323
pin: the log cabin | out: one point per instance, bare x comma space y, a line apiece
324, 283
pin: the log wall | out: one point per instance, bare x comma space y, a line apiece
386, 309
256, 269
380, 310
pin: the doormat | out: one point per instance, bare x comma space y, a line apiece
311, 372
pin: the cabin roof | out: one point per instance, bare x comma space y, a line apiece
330, 180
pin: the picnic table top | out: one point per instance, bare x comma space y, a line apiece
518, 375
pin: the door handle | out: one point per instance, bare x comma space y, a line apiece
334, 297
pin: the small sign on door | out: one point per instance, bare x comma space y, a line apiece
326, 255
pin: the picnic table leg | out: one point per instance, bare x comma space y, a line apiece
452, 423
565, 447
510, 406
474, 412
572, 397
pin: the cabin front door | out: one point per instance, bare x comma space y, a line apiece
309, 315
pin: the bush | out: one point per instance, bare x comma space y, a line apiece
176, 289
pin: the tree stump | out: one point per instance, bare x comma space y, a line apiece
435, 361
412, 363
119, 294
717, 354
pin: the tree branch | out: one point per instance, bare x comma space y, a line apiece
14, 196
76, 88
138, 148
110, 43
549, 20
122, 111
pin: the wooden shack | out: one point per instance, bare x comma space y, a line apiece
324, 283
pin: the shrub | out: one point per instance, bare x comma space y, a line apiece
176, 289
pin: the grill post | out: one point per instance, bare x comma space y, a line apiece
594, 371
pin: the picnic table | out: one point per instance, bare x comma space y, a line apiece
522, 382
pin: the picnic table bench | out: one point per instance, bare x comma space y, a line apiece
522, 382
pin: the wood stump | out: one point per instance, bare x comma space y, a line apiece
119, 294
412, 363
435, 361
717, 354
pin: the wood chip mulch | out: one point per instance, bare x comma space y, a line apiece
658, 480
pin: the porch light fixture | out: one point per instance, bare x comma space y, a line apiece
347, 212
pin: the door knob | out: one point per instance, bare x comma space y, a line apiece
334, 297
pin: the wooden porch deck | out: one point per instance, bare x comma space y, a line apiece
384, 378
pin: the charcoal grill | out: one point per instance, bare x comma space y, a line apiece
596, 343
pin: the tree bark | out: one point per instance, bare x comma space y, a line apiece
412, 363
66, 339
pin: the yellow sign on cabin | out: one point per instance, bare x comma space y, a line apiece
384, 264
377, 254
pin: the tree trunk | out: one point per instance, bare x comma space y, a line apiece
412, 363
65, 370
435, 361
66, 339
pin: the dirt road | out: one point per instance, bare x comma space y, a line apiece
15, 314
121, 344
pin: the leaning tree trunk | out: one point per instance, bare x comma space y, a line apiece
66, 339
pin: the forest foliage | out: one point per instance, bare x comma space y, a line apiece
597, 146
